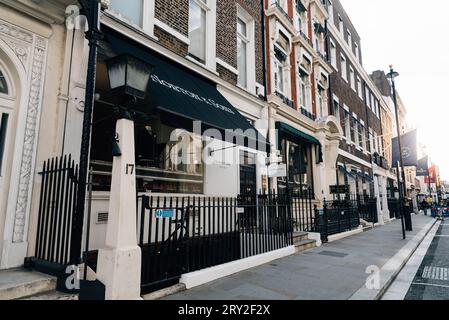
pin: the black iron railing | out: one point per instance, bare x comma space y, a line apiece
278, 5
286, 100
303, 210
183, 234
308, 114
394, 208
56, 212
337, 217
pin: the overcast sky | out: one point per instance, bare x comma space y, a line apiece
413, 36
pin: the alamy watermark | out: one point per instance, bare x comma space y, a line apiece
373, 280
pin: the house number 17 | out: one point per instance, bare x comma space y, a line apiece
130, 168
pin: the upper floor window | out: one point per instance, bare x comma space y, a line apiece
130, 10
349, 40
344, 68
359, 87
333, 53
3, 84
352, 78
246, 50
242, 53
367, 97
357, 53
336, 107
281, 49
340, 24
330, 10
197, 29
303, 90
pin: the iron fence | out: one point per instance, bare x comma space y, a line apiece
183, 234
56, 212
394, 208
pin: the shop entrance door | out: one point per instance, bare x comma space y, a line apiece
248, 183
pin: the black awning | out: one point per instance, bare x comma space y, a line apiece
180, 92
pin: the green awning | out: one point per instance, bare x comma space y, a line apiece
286, 131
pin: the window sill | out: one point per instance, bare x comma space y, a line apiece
201, 65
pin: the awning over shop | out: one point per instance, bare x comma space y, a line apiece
295, 135
182, 94
346, 171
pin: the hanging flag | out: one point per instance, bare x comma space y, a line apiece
432, 175
422, 169
409, 150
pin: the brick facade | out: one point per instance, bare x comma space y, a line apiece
175, 14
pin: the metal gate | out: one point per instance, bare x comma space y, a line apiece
54, 245
178, 235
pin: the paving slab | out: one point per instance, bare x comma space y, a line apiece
335, 271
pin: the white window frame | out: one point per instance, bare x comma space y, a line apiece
352, 78
337, 100
250, 49
333, 53
211, 36
360, 87
344, 67
341, 25
148, 17
349, 41
330, 9
357, 52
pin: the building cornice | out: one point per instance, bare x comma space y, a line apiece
48, 11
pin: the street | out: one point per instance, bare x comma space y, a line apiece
426, 275
431, 282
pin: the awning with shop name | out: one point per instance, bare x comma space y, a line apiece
295, 135
183, 94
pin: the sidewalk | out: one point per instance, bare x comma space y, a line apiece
335, 271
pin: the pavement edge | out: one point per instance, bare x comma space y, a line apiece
390, 270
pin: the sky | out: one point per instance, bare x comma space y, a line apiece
412, 36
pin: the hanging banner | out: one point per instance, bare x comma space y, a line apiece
409, 150
432, 175
422, 169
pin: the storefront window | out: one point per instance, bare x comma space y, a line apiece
299, 164
168, 160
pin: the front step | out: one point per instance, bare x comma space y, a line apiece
302, 242
21, 283
299, 236
52, 295
304, 245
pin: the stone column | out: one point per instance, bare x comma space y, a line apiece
377, 194
386, 211
119, 263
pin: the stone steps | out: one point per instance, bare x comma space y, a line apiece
304, 245
21, 283
302, 242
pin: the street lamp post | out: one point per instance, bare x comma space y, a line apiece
91, 10
119, 261
400, 165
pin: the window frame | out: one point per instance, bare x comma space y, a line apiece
250, 49
148, 17
344, 67
210, 7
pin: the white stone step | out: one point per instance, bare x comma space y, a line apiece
21, 283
